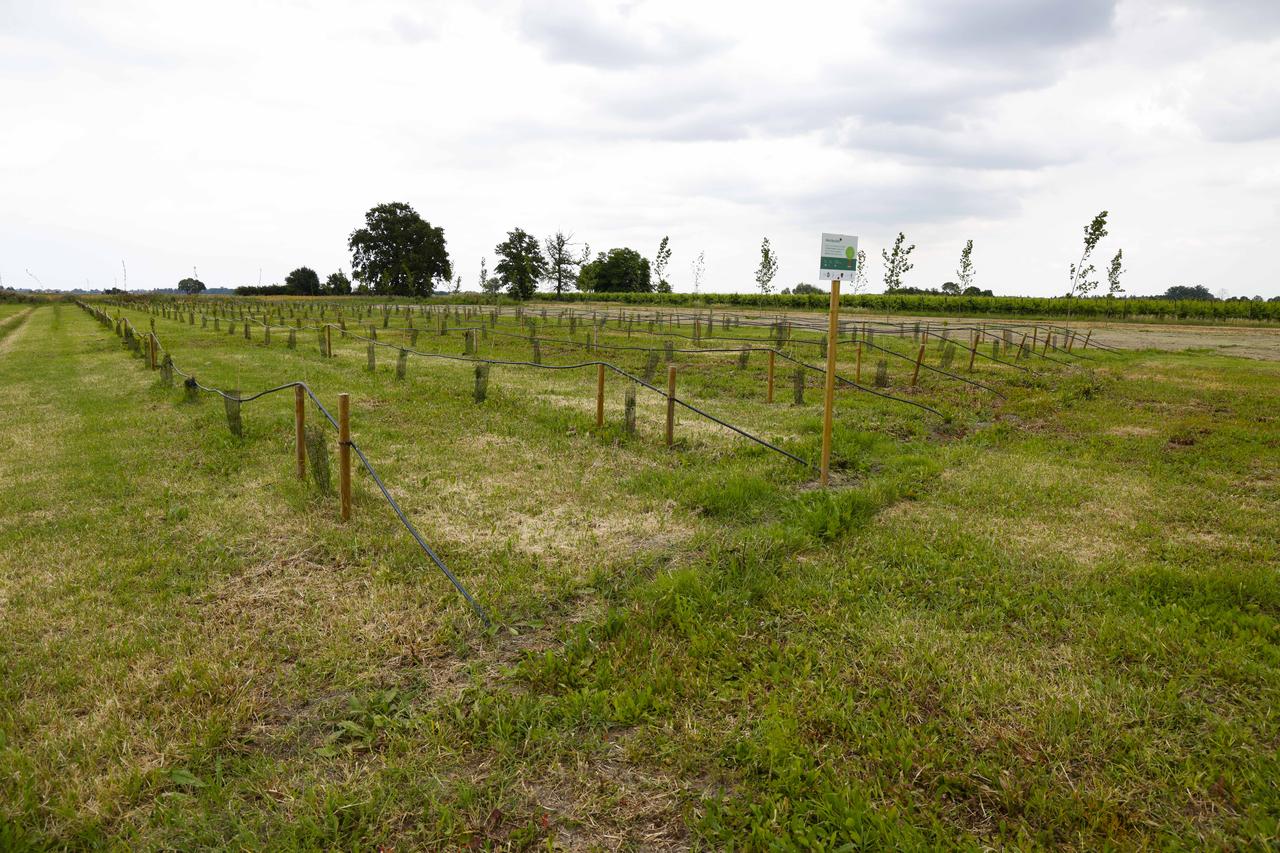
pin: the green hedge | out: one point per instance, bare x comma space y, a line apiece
1022, 306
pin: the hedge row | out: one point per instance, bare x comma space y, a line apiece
1023, 306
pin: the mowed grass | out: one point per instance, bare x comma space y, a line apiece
1050, 622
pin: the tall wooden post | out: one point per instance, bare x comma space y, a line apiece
153, 346
671, 404
1088, 335
599, 395
857, 365
344, 454
328, 340
915, 374
973, 350
768, 394
829, 391
299, 430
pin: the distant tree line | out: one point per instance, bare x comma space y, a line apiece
301, 282
398, 253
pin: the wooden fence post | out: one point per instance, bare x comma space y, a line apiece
915, 374
973, 350
671, 404
299, 429
768, 397
328, 340
152, 346
599, 395
344, 454
857, 365
828, 401
1088, 335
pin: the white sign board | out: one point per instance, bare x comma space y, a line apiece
839, 257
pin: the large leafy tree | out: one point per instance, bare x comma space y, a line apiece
191, 286
589, 273
563, 263
1189, 291
619, 271
302, 282
521, 264
398, 252
337, 283
897, 263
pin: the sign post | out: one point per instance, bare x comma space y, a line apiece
837, 262
839, 258
829, 391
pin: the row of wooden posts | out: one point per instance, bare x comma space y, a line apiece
828, 396
669, 433
299, 429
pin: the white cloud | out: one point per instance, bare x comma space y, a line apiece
247, 135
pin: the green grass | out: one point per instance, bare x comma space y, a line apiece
1051, 621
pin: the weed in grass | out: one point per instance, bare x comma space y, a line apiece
231, 405
318, 456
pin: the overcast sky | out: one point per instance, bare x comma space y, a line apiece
233, 137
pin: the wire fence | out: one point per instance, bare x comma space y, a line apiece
859, 332
698, 410
132, 339
843, 381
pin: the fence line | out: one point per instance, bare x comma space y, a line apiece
607, 365
102, 317
579, 366
579, 344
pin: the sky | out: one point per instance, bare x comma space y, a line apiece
242, 140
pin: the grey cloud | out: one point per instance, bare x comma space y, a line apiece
1234, 95
577, 34
53, 37
939, 121
968, 146
411, 30
1247, 19
1240, 115
921, 196
1002, 30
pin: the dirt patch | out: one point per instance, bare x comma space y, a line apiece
1131, 430
611, 804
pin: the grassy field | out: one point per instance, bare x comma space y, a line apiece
1048, 619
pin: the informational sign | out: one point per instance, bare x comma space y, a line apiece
839, 258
